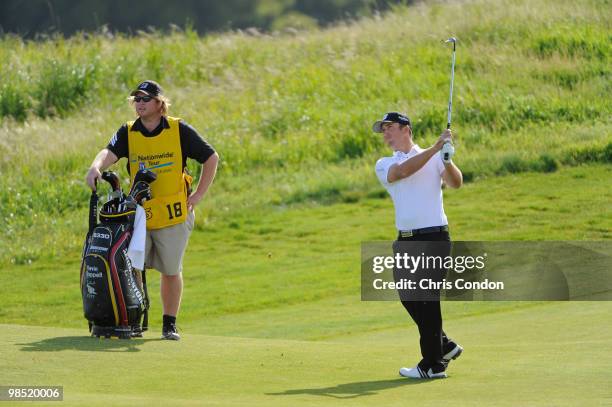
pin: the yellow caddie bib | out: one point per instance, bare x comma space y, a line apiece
161, 154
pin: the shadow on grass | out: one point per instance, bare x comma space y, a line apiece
353, 390
85, 343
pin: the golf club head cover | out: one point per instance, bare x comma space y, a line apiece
145, 175
140, 190
447, 152
113, 179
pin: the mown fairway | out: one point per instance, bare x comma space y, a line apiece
537, 356
271, 313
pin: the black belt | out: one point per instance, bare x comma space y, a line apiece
422, 231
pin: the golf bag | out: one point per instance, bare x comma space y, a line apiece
115, 299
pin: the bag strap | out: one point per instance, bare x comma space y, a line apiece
145, 318
93, 211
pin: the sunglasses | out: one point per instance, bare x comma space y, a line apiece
145, 99
386, 125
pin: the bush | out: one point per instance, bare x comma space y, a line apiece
63, 86
589, 155
14, 102
547, 163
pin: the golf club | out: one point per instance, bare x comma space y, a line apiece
446, 154
450, 98
141, 188
116, 193
112, 179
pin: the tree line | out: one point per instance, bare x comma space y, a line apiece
35, 18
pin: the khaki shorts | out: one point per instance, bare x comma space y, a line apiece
165, 247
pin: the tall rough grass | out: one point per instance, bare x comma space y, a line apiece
290, 114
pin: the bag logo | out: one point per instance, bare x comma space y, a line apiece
91, 291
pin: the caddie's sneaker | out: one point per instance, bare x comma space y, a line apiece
452, 351
418, 373
170, 332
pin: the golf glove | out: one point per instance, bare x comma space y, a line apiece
447, 152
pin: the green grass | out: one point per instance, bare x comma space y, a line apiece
281, 257
293, 112
271, 313
517, 357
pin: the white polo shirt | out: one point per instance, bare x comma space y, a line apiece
417, 198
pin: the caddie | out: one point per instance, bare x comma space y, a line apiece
162, 144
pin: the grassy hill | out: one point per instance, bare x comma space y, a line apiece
271, 312
291, 115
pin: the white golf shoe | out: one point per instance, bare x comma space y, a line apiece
418, 373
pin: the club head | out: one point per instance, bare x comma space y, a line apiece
140, 190
145, 175
112, 179
451, 39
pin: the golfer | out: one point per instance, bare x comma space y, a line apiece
414, 177
162, 144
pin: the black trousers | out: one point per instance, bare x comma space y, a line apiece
425, 311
